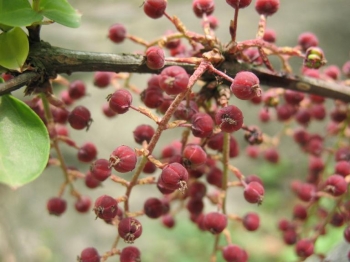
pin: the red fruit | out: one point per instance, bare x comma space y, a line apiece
201, 7
149, 168
215, 222
154, 8
83, 204
332, 71
61, 115
290, 236
66, 98
293, 97
129, 229
347, 234
271, 155
251, 221
197, 190
80, 118
89, 254
173, 43
90, 181
336, 185
284, 224
306, 191
250, 178
186, 110
87, 152
123, 159
242, 3
214, 177
106, 207
346, 69
102, 79
318, 111
143, 133
229, 118
56, 206
100, 169
245, 85
264, 115
174, 176
202, 125
285, 112
193, 156
130, 254
254, 193
152, 96
76, 89
213, 22
306, 40
253, 151
107, 111
117, 33
267, 7
155, 57
120, 101
299, 212
153, 208
269, 35
216, 141
195, 206
168, 221
342, 168
304, 248
173, 80
234, 253
303, 116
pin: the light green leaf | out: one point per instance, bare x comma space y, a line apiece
14, 48
18, 13
24, 143
61, 12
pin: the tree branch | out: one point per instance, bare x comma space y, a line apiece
49, 61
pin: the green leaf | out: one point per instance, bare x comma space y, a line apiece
14, 48
18, 13
24, 143
61, 12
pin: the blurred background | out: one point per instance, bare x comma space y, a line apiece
29, 233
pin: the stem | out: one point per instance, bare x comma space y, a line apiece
216, 244
225, 161
36, 5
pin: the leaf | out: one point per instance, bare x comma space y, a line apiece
24, 143
61, 12
14, 48
18, 13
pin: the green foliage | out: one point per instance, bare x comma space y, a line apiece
24, 143
14, 48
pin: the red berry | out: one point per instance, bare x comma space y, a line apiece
102, 79
215, 222
216, 141
173, 80
106, 207
346, 69
229, 118
174, 176
213, 22
342, 168
173, 43
149, 168
251, 221
193, 156
168, 221
153, 208
60, 115
143, 133
123, 159
89, 254
254, 193
201, 7
267, 7
152, 96
130, 254
293, 97
245, 85
306, 191
83, 204
284, 225
117, 33
120, 101
90, 181
155, 57
269, 35
336, 185
56, 206
306, 40
66, 98
242, 3
271, 155
129, 229
290, 236
80, 118
107, 111
87, 152
234, 253
186, 110
214, 177
76, 89
304, 248
202, 125
332, 71
347, 234
299, 212
154, 8
100, 169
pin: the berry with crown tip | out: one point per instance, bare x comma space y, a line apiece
154, 8
129, 229
229, 118
117, 33
106, 207
245, 85
89, 254
267, 7
155, 57
215, 222
80, 118
201, 7
123, 159
56, 206
173, 80
174, 176
336, 185
254, 193
120, 101
130, 254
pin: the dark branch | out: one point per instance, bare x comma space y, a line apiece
50, 61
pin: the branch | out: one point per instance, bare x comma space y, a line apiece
50, 61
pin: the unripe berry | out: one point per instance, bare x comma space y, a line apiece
129, 229
123, 159
215, 222
245, 85
155, 57
267, 7
89, 254
120, 101
173, 80
117, 33
201, 7
154, 8
314, 58
229, 118
80, 118
254, 193
106, 207
56, 206
130, 254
